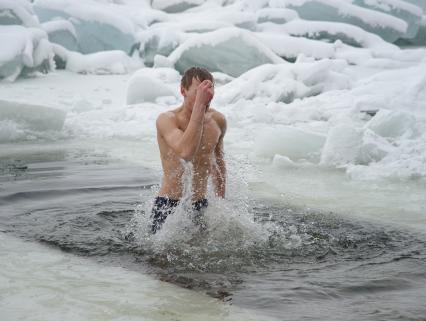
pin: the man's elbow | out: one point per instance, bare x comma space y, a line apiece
186, 154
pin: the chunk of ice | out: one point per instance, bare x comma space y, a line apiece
418, 3
97, 26
332, 31
276, 15
28, 50
104, 62
158, 40
401, 9
420, 38
388, 27
290, 48
285, 82
62, 32
146, 85
387, 123
34, 117
291, 142
175, 6
342, 146
232, 51
17, 12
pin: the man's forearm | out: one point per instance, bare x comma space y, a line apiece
191, 137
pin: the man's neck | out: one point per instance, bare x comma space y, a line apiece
186, 110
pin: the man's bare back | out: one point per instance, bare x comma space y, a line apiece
193, 133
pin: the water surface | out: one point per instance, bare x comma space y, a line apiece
284, 262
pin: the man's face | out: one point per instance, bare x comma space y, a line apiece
190, 93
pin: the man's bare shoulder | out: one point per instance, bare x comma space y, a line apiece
167, 117
219, 118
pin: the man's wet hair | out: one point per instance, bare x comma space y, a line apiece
195, 72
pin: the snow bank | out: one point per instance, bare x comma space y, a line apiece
388, 27
146, 85
28, 50
97, 26
285, 82
105, 62
17, 12
232, 51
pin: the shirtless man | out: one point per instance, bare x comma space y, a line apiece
194, 133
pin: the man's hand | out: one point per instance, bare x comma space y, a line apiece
205, 93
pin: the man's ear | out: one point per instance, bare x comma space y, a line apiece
183, 91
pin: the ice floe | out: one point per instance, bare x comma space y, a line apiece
232, 51
19, 121
97, 26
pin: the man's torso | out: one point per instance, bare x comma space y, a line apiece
172, 184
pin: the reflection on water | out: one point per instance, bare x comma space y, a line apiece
254, 253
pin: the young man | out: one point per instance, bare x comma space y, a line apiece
194, 133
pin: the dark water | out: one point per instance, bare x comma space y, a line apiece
303, 266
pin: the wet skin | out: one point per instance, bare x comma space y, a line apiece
193, 133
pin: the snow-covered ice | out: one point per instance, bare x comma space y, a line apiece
97, 26
146, 85
27, 50
17, 12
232, 51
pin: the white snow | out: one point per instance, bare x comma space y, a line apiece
231, 50
276, 15
104, 62
59, 25
17, 12
387, 26
98, 27
27, 50
401, 9
146, 85
349, 34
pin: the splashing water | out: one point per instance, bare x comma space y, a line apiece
233, 238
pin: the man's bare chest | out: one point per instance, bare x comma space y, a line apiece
209, 138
